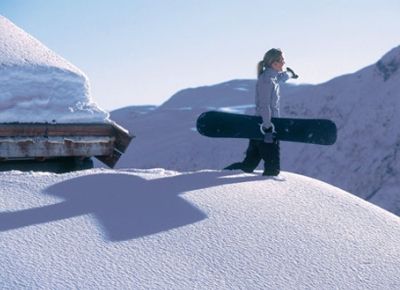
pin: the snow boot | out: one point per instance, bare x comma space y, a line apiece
238, 166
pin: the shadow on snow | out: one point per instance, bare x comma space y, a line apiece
125, 206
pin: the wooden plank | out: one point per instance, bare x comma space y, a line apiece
110, 160
79, 130
122, 138
42, 129
41, 140
54, 147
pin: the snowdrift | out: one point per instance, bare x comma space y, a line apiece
157, 229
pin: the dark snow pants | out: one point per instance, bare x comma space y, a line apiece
259, 150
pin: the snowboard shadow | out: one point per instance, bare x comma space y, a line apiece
125, 206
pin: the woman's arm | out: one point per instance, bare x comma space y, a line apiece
263, 101
283, 76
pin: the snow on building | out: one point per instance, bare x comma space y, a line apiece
37, 85
46, 110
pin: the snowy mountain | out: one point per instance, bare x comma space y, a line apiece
131, 113
158, 229
364, 105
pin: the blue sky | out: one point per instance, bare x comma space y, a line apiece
142, 52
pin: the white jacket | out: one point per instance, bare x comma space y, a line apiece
267, 94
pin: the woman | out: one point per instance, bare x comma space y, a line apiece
270, 74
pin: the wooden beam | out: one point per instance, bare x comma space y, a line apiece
110, 160
55, 147
42, 129
122, 138
42, 140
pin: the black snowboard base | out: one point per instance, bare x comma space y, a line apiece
230, 125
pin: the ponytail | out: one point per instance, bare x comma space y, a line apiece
260, 68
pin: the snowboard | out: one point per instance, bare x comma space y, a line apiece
232, 125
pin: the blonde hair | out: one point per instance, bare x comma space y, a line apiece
272, 55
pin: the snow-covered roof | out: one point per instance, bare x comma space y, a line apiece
37, 85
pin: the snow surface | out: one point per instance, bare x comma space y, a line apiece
204, 229
158, 229
364, 161
37, 85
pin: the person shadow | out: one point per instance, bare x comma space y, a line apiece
125, 206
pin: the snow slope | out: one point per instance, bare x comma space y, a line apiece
157, 229
37, 85
364, 105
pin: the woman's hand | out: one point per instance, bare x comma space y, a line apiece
294, 75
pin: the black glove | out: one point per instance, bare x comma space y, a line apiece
267, 130
269, 134
294, 76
